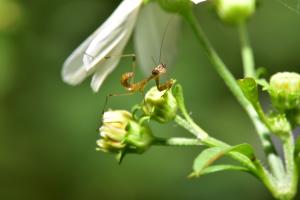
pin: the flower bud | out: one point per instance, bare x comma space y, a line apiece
160, 106
235, 11
280, 125
121, 132
285, 90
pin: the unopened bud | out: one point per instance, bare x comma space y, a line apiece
280, 125
235, 11
285, 90
160, 106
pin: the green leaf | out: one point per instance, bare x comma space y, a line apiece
249, 88
210, 155
219, 168
246, 150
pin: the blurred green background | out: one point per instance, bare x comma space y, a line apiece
48, 129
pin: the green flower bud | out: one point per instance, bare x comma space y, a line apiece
280, 125
121, 133
176, 6
285, 90
235, 11
160, 106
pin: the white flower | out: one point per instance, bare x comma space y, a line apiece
90, 58
109, 39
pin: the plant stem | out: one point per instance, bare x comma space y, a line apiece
177, 142
288, 185
256, 168
246, 50
188, 123
230, 81
275, 162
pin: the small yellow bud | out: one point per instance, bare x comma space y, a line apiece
285, 90
280, 125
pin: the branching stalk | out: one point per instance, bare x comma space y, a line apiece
246, 50
177, 142
274, 183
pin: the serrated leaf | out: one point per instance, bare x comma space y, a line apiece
153, 26
210, 155
249, 88
219, 168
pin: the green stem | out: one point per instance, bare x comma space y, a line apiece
246, 50
188, 123
230, 81
177, 142
288, 185
276, 164
256, 168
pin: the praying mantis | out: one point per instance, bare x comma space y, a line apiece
133, 87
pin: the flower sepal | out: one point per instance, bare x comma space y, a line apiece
139, 138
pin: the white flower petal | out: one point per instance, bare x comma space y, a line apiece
90, 55
100, 75
73, 71
116, 116
151, 26
121, 21
91, 61
105, 66
197, 1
